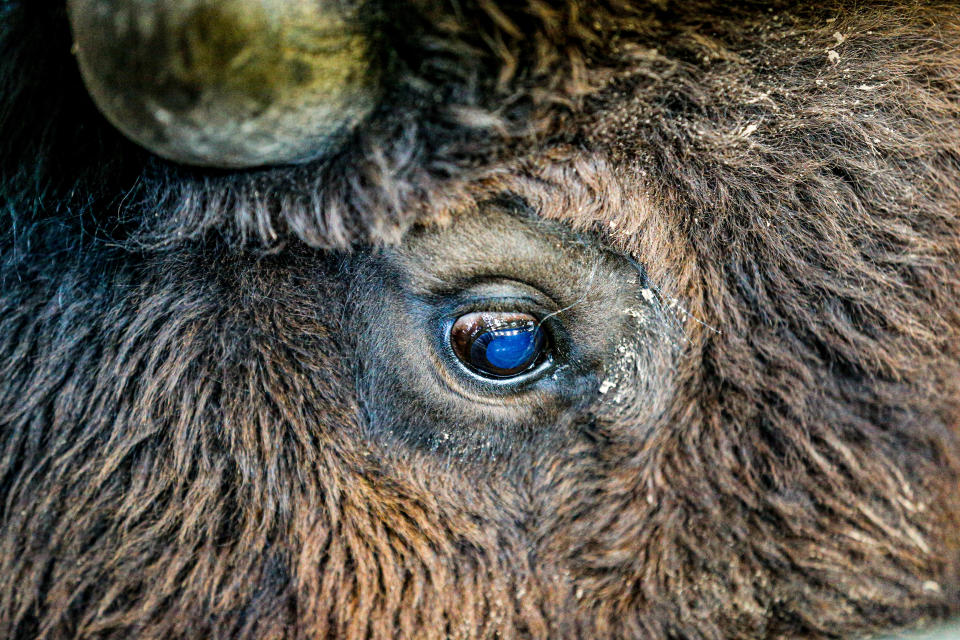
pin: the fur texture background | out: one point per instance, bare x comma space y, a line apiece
181, 454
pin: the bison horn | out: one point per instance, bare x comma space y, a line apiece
227, 83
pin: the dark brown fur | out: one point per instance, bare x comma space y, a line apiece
182, 453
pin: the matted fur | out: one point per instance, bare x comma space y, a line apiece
181, 454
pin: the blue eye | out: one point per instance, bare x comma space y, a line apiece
497, 344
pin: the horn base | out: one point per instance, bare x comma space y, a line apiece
231, 84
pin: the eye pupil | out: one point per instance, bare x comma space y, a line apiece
507, 348
498, 345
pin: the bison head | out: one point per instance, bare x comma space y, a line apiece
478, 319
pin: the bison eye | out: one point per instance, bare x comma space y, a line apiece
499, 345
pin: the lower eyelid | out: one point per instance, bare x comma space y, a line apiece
448, 379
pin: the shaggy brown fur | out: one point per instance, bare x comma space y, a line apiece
183, 452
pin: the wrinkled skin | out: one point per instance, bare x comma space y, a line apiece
229, 409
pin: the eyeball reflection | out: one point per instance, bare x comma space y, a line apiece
498, 344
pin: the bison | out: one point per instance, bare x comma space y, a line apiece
478, 319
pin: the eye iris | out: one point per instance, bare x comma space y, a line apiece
498, 344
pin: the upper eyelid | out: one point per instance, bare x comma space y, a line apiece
499, 305
497, 288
